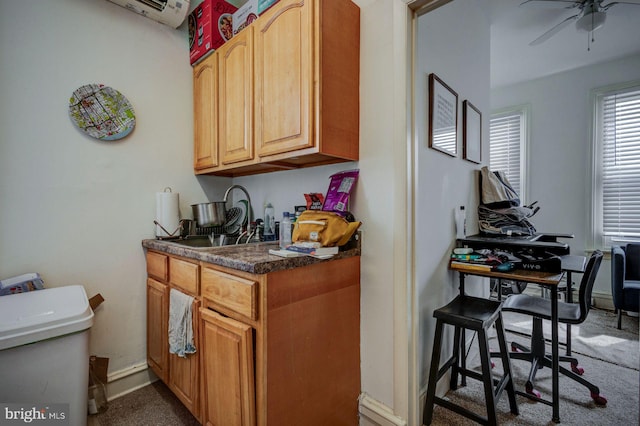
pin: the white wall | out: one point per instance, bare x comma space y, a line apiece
453, 43
73, 208
559, 159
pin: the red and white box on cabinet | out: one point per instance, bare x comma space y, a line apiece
210, 26
249, 12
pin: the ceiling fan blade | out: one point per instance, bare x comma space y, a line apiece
608, 5
546, 36
560, 4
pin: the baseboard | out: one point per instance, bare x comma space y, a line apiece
128, 380
375, 413
601, 301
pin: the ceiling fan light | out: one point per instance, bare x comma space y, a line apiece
591, 21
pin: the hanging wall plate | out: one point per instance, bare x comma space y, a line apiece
102, 112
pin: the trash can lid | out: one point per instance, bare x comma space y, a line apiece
43, 314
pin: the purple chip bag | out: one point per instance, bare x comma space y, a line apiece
339, 190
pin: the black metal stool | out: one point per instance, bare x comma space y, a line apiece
477, 314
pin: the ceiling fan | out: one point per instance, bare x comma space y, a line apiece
591, 15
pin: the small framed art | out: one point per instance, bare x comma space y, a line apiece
471, 132
443, 117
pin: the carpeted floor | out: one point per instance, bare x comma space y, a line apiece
610, 358
152, 405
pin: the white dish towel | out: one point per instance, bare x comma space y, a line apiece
180, 324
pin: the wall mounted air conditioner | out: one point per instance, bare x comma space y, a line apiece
168, 12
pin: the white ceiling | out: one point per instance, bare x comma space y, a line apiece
513, 27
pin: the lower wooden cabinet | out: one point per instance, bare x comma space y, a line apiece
281, 348
228, 389
181, 375
184, 373
157, 328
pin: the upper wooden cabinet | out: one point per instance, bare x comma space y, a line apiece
288, 92
205, 104
235, 118
284, 80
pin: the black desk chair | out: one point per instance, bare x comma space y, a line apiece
568, 313
479, 315
625, 279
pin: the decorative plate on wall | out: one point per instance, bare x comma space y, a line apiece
101, 112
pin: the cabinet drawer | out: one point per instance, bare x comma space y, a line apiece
157, 266
184, 275
235, 293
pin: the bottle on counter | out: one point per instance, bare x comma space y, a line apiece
461, 223
269, 220
285, 230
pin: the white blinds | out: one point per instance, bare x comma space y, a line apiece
620, 129
505, 136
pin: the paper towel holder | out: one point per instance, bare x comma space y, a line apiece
170, 235
177, 233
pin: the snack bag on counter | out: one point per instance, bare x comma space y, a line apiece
340, 187
327, 228
314, 201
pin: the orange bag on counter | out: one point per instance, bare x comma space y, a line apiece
327, 228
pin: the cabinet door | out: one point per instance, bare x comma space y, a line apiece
184, 378
228, 391
205, 98
157, 328
236, 98
284, 78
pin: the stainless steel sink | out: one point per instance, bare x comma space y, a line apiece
204, 242
195, 242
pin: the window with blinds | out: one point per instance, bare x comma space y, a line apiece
507, 132
619, 136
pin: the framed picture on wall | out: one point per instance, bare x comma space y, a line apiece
443, 117
471, 132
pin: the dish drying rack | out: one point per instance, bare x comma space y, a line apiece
235, 221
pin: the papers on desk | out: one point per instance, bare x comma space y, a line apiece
504, 261
289, 253
482, 260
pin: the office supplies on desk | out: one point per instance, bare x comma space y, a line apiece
544, 263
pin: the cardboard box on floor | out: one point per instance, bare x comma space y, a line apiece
98, 369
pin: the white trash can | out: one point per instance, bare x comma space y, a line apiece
44, 355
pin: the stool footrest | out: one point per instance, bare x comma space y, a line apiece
447, 365
499, 383
470, 373
534, 398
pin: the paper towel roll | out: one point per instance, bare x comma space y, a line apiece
167, 213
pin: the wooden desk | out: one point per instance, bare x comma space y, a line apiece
547, 279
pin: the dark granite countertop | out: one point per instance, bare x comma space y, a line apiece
253, 258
